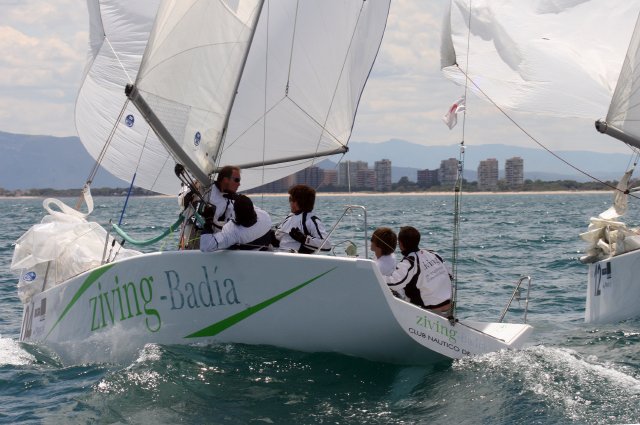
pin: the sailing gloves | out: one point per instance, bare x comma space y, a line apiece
208, 213
297, 235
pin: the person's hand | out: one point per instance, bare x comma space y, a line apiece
297, 235
188, 198
208, 213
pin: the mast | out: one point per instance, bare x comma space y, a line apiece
236, 85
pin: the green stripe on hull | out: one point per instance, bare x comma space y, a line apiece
93, 276
220, 326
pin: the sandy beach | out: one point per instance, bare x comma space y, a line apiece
557, 192
376, 194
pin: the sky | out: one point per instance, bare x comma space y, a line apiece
44, 45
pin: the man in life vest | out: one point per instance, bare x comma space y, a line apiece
422, 277
250, 229
221, 197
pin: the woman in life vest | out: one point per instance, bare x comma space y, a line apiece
302, 231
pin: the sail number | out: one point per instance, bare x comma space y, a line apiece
601, 277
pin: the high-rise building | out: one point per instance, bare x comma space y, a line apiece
448, 172
278, 186
311, 176
366, 179
428, 178
348, 172
514, 172
383, 175
488, 174
330, 178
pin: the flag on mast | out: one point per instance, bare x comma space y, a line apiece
451, 117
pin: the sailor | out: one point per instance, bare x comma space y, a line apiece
422, 277
383, 245
222, 195
301, 231
250, 229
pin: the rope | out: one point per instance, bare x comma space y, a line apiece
536, 141
150, 241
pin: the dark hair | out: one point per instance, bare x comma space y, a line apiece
304, 195
410, 238
245, 213
385, 239
226, 171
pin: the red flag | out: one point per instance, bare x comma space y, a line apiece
451, 118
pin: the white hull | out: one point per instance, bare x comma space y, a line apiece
301, 302
613, 292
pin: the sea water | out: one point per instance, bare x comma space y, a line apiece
569, 372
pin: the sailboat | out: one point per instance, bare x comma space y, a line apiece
545, 58
269, 86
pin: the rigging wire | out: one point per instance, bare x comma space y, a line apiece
536, 141
102, 154
264, 106
457, 203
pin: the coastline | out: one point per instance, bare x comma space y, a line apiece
377, 194
373, 194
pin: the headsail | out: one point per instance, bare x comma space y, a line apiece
559, 58
119, 30
298, 92
623, 118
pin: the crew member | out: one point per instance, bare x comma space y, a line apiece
250, 229
383, 245
302, 231
422, 276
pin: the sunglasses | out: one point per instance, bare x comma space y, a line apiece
236, 179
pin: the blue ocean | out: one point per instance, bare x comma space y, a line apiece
568, 373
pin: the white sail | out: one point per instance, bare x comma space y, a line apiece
190, 71
119, 31
559, 58
299, 88
624, 111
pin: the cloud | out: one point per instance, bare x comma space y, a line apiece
43, 45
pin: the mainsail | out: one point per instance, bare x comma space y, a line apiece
293, 99
559, 58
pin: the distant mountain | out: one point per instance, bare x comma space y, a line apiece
62, 162
30, 162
